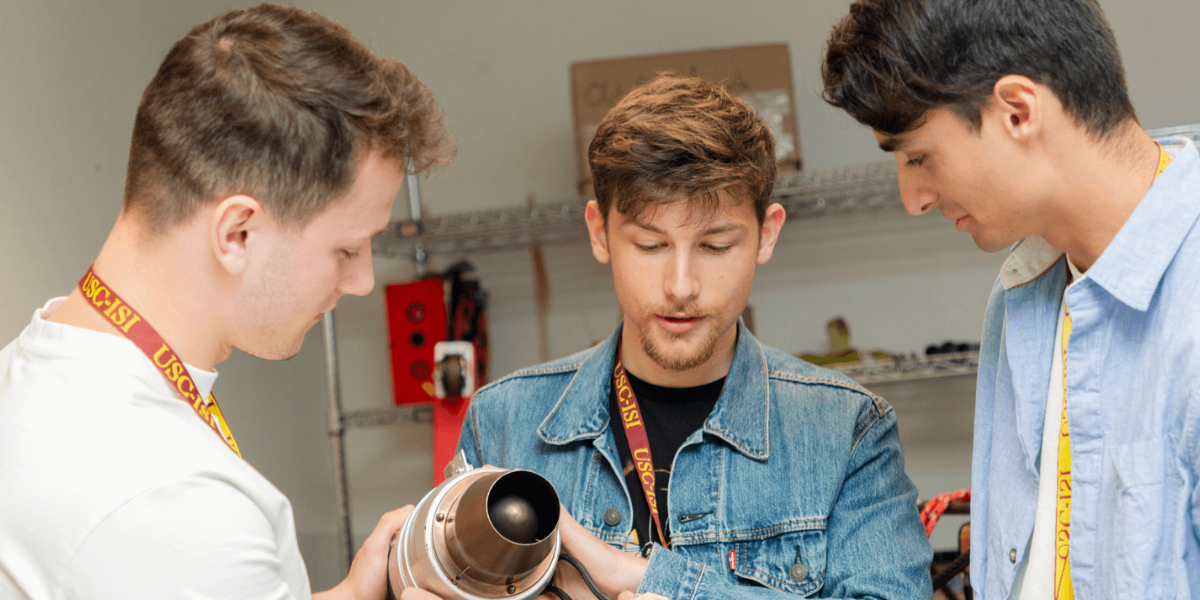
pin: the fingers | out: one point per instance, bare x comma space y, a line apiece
388, 525
368, 573
417, 594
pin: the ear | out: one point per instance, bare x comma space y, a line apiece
236, 220
772, 223
596, 232
1018, 105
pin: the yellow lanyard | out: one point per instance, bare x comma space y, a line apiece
1062, 522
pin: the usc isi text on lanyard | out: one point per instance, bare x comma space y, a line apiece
131, 324
1063, 588
635, 436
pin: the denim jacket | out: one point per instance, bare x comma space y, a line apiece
795, 484
1133, 403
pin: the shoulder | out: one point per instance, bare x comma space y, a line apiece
801, 385
534, 381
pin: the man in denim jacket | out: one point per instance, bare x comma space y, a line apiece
1012, 118
784, 478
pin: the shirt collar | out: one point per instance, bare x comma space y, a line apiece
107, 346
1032, 258
1134, 262
739, 417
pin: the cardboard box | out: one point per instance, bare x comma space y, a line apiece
760, 75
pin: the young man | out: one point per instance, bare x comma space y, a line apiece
1012, 119
696, 462
266, 153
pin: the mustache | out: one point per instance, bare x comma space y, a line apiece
690, 309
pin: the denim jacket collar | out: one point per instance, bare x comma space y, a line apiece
739, 417
1132, 265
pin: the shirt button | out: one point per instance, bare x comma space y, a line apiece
612, 517
798, 572
1012, 555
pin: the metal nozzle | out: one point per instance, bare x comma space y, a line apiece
484, 533
476, 543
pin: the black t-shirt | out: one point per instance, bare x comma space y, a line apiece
670, 416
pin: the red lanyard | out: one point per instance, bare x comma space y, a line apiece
131, 324
635, 436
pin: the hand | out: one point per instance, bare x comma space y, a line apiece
368, 573
418, 594
613, 570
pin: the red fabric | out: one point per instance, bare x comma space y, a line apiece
937, 505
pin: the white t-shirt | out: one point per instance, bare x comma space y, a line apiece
112, 487
1035, 574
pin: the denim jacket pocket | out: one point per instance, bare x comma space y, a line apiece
1138, 510
791, 562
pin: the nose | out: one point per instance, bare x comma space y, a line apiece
358, 277
916, 194
682, 284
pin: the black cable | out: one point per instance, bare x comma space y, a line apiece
587, 579
558, 592
958, 566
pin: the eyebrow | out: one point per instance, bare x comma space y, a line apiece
721, 229
893, 144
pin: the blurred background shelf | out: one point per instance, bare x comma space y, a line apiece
804, 195
910, 368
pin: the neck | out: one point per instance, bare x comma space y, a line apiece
636, 361
1100, 184
163, 280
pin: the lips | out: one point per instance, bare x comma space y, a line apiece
678, 323
959, 221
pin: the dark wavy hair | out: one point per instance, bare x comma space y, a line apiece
279, 104
681, 138
889, 61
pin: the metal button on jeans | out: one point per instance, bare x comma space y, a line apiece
612, 517
1012, 555
798, 572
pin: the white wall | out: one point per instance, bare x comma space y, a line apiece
73, 72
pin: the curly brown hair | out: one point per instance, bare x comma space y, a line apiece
279, 104
681, 138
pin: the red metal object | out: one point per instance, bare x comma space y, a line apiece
416, 314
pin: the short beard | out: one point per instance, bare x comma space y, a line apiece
679, 364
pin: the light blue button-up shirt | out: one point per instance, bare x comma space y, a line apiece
1133, 403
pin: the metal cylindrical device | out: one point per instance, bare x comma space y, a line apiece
482, 534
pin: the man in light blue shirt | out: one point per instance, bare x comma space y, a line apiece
1012, 118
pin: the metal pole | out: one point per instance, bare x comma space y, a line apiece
420, 259
336, 437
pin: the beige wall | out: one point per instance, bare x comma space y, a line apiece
72, 73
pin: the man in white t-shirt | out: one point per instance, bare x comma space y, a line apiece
266, 153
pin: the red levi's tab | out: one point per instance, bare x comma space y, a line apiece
131, 324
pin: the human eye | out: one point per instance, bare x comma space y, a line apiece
916, 161
648, 247
718, 248
348, 254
